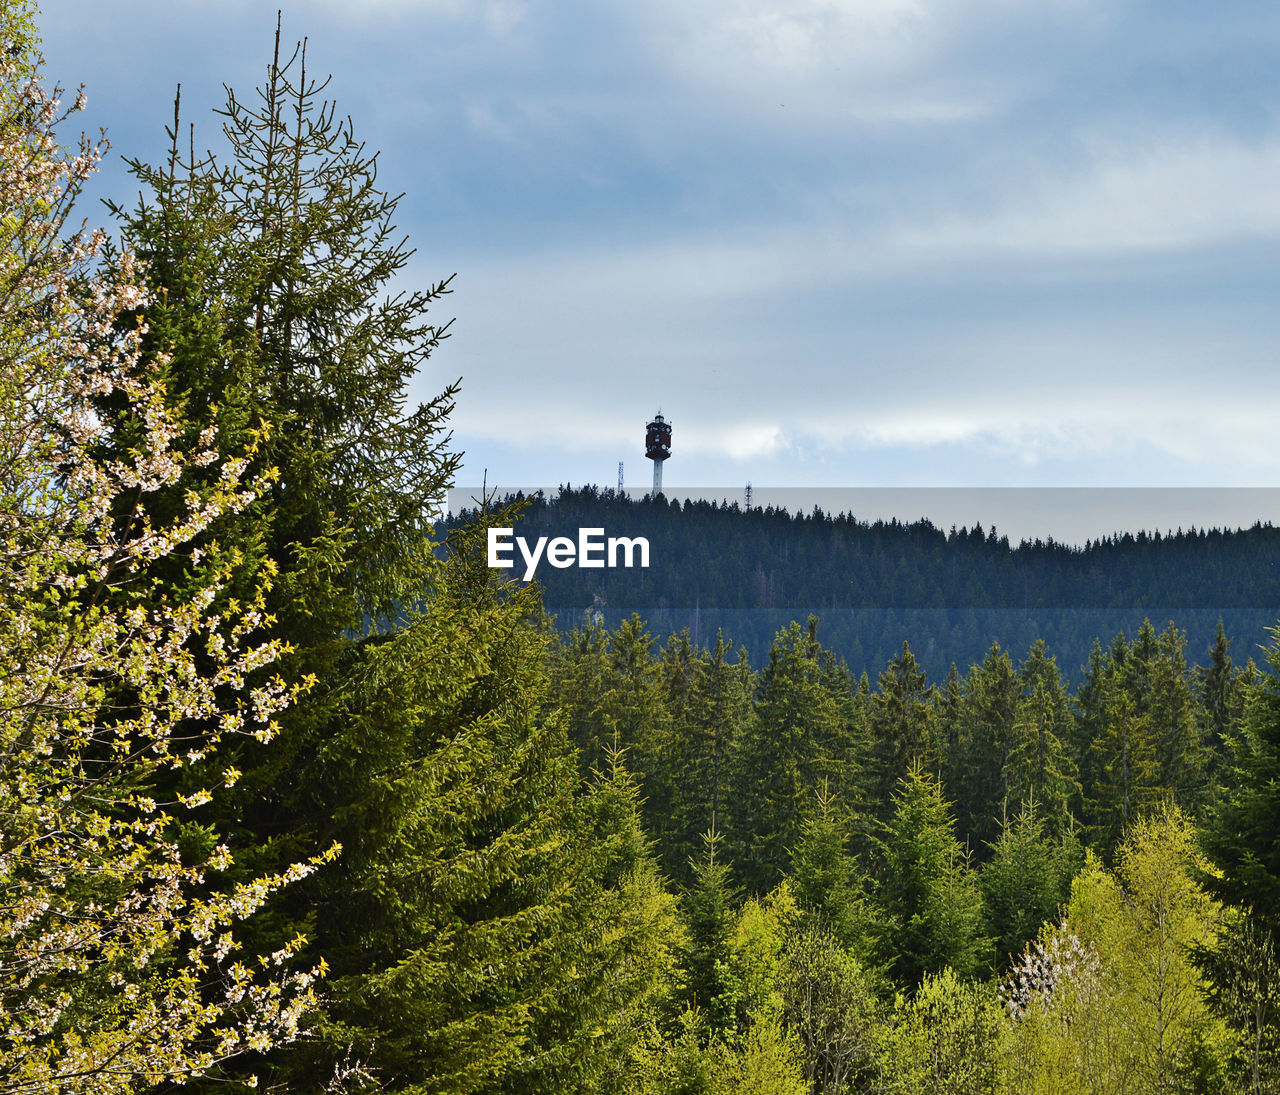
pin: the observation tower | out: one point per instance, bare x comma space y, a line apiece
657, 447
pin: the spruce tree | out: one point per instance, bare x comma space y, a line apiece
902, 732
928, 898
704, 736
464, 919
452, 921
825, 876
777, 763
709, 917
1220, 699
987, 716
1038, 769
1239, 838
1026, 881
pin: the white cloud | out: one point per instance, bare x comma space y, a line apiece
1139, 195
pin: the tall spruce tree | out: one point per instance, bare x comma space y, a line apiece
465, 913
705, 730
1038, 770
978, 778
1241, 840
778, 761
902, 731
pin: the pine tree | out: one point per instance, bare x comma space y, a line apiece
1026, 881
281, 323
576, 665
1242, 843
901, 728
465, 916
1038, 770
825, 877
450, 920
928, 898
278, 315
1175, 723
988, 713
779, 759
1218, 687
708, 914
626, 938
1125, 752
631, 708
705, 735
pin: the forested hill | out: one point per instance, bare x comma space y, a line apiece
950, 594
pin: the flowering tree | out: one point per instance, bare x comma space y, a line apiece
119, 965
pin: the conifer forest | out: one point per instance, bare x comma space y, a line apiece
298, 794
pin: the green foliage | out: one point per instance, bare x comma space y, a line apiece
126, 960
623, 937
799, 725
1038, 769
1240, 837
708, 915
930, 908
832, 1007
707, 722
442, 923
946, 1039
901, 726
752, 971
1243, 974
278, 315
1241, 841
978, 774
825, 876
1139, 1022
1025, 882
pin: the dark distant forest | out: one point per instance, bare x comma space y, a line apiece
949, 593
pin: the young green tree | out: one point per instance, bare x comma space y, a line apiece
825, 876
1125, 756
1026, 882
1242, 969
623, 939
831, 1004
709, 917
1151, 1029
928, 898
946, 1037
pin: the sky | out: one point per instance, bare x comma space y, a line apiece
944, 244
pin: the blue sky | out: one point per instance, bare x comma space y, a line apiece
879, 243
